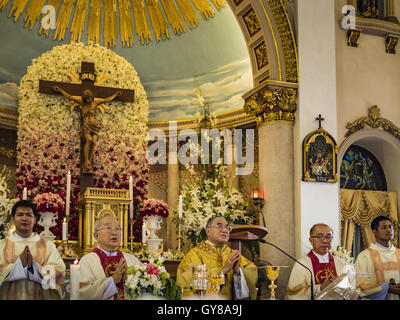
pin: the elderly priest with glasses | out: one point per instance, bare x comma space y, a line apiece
325, 267
103, 271
220, 259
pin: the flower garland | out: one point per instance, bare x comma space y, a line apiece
154, 207
48, 131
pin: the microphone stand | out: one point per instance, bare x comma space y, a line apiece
312, 280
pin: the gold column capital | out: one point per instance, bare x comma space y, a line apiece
272, 104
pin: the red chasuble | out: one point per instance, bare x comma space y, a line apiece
109, 264
322, 270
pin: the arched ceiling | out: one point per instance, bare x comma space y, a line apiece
212, 57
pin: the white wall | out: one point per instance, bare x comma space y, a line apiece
315, 201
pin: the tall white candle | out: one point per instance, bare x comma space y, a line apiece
68, 194
144, 232
64, 230
180, 207
74, 280
25, 194
131, 197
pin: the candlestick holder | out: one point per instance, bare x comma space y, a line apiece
131, 237
66, 248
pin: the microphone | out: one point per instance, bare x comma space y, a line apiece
312, 280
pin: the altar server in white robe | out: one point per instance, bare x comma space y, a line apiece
324, 266
103, 271
381, 261
26, 260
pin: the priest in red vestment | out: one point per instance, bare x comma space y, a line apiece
103, 271
324, 266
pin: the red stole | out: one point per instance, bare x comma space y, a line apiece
109, 264
322, 270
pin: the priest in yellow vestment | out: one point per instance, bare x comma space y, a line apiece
240, 274
382, 262
26, 259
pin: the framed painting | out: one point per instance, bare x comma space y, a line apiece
320, 157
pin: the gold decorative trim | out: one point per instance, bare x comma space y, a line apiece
146, 14
391, 43
286, 38
353, 38
375, 121
261, 55
251, 21
273, 105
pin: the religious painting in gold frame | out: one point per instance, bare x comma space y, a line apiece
320, 157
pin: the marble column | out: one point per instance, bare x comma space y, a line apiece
274, 109
173, 197
276, 178
233, 178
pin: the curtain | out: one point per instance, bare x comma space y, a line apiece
361, 207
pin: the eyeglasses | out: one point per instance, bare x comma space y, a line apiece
321, 237
220, 227
109, 229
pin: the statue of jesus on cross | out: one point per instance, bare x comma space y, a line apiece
89, 128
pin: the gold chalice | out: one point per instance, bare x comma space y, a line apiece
272, 274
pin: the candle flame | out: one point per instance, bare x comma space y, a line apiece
64, 219
76, 261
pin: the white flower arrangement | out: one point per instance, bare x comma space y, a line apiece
343, 254
6, 205
151, 278
206, 198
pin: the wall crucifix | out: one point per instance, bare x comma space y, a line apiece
88, 97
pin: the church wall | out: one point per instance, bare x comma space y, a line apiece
315, 201
366, 76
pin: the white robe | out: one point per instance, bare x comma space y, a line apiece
44, 253
299, 285
382, 264
94, 285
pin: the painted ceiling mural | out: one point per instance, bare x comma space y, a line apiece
212, 57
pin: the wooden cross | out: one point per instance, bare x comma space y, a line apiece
74, 91
319, 119
88, 77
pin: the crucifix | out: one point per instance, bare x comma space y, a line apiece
319, 119
88, 97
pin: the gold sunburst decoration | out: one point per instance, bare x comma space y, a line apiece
88, 13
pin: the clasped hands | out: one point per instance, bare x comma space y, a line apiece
26, 257
120, 272
232, 263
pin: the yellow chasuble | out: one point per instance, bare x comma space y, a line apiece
214, 258
382, 265
44, 253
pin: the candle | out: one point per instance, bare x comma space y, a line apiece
64, 230
144, 232
180, 207
131, 198
74, 280
25, 194
67, 201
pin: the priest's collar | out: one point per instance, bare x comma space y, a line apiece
214, 245
383, 247
108, 253
33, 237
322, 258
